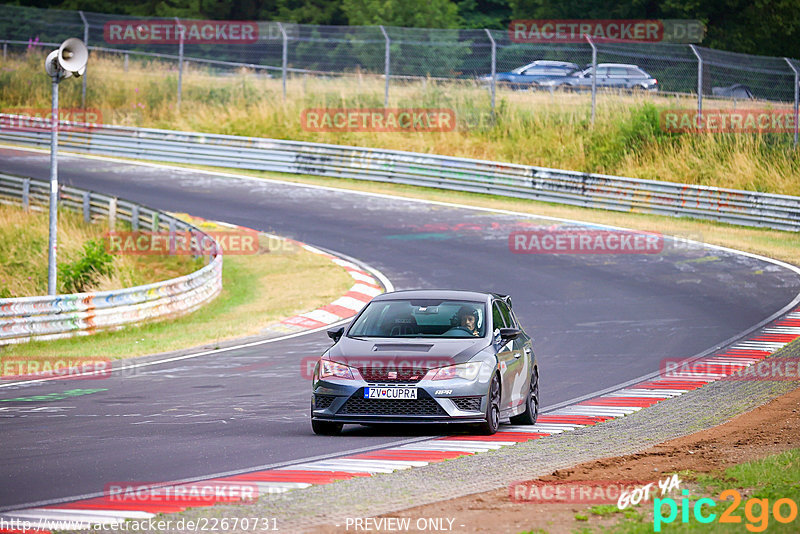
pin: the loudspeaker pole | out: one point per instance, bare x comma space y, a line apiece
53, 240
69, 60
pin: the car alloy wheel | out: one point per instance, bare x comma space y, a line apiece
531, 413
489, 426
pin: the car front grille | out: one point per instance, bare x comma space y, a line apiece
423, 405
392, 375
467, 403
321, 402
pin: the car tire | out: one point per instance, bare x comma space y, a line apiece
492, 422
531, 413
326, 428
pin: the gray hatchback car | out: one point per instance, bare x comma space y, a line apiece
428, 356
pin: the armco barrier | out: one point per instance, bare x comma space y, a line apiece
443, 172
51, 317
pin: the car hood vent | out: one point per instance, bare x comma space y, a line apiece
400, 347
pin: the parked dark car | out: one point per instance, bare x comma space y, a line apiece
736, 90
523, 77
428, 356
609, 75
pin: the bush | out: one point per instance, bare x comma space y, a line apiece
78, 276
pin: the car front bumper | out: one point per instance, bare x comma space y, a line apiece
441, 401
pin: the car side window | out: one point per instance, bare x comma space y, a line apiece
509, 320
601, 71
636, 73
497, 317
617, 72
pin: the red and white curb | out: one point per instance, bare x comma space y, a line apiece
366, 287
110, 510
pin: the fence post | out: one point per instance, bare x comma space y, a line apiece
5, 51
87, 207
699, 82
594, 76
125, 62
112, 214
26, 190
494, 65
180, 31
796, 99
86, 42
386, 66
284, 57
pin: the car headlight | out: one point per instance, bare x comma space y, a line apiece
467, 371
329, 368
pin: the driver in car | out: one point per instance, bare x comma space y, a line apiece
468, 318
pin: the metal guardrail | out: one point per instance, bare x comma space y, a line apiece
442, 172
52, 317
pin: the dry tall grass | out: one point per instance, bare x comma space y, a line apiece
536, 128
23, 254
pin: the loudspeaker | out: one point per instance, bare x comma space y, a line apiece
72, 56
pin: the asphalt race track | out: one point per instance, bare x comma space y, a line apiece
597, 321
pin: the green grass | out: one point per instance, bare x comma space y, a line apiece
537, 128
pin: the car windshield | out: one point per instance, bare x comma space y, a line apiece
421, 318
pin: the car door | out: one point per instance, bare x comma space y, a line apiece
505, 356
617, 77
518, 368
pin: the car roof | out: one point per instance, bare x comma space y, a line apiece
628, 65
445, 294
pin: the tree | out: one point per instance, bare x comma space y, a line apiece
408, 13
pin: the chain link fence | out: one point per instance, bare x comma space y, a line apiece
395, 54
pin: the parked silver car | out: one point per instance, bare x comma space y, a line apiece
428, 356
609, 75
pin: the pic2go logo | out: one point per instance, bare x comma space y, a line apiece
756, 511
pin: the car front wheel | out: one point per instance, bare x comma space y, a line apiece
489, 426
326, 428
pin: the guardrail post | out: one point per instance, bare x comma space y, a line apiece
172, 237
179, 29
494, 66
86, 42
699, 82
594, 76
87, 207
155, 222
796, 99
5, 51
26, 189
112, 214
387, 63
135, 217
284, 57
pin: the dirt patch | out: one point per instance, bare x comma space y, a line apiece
771, 428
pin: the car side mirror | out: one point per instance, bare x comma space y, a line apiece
336, 333
507, 334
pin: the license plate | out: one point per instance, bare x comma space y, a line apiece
390, 393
